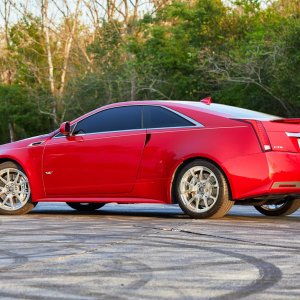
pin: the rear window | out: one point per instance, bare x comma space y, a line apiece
159, 117
232, 111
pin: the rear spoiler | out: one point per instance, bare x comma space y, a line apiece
288, 120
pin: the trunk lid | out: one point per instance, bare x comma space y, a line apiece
284, 134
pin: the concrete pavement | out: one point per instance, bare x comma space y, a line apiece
148, 252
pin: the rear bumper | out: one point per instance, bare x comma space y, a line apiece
264, 174
284, 169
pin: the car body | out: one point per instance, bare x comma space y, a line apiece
132, 152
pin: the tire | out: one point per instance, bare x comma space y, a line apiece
285, 208
15, 194
80, 206
201, 190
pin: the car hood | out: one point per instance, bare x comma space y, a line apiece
26, 142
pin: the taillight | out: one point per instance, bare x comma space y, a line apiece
261, 134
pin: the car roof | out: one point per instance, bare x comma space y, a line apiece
222, 110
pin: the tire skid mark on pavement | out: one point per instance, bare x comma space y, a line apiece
241, 240
293, 249
17, 260
12, 295
69, 292
139, 283
66, 256
269, 274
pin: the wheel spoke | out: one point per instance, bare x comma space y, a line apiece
201, 174
193, 173
11, 203
4, 200
17, 178
190, 185
193, 181
212, 197
197, 203
20, 199
23, 193
205, 202
8, 176
192, 199
3, 180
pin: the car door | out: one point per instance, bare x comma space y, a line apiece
102, 156
167, 131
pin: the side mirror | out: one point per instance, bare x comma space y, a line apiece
65, 128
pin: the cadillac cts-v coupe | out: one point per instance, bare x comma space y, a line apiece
200, 155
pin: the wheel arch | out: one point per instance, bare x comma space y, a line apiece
9, 159
183, 164
35, 193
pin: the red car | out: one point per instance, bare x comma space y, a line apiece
203, 156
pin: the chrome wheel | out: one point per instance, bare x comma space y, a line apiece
14, 189
283, 208
199, 189
273, 207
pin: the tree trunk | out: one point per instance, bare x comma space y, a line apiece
67, 51
11, 132
49, 59
133, 87
8, 74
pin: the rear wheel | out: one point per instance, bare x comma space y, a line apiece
15, 195
202, 190
283, 208
81, 206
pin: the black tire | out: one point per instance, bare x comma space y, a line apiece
213, 195
285, 208
7, 207
80, 206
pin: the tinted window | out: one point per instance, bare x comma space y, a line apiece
114, 119
159, 117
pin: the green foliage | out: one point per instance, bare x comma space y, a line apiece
244, 54
26, 44
240, 55
18, 109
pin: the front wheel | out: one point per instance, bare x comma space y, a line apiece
202, 191
284, 208
80, 206
15, 195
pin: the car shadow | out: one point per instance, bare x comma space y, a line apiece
160, 213
109, 213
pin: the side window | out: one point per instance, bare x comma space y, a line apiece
159, 117
113, 119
